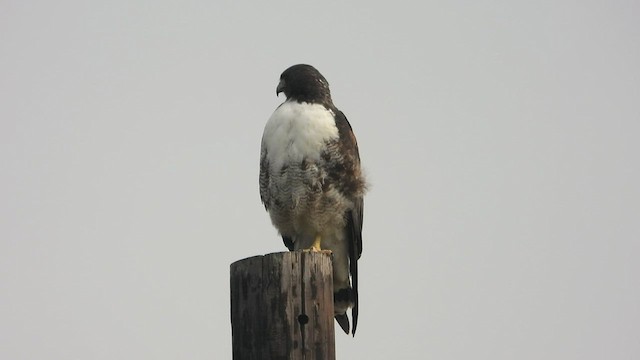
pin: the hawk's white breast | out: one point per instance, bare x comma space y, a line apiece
297, 131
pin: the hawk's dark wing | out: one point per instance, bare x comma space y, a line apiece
353, 187
354, 233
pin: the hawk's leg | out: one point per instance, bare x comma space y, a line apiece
316, 244
315, 247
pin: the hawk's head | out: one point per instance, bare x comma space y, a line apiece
304, 83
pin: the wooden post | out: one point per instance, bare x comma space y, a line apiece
282, 307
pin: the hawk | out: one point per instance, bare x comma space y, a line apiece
311, 182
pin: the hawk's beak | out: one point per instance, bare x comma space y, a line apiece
280, 87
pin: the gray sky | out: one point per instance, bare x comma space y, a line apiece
500, 138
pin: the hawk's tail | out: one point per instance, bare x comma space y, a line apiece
343, 321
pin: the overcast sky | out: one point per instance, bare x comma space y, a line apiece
500, 139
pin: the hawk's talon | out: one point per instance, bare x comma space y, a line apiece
311, 249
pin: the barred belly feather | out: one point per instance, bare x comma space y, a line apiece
295, 146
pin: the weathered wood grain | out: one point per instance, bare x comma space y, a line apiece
282, 307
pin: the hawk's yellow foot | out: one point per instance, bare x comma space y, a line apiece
316, 243
315, 247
